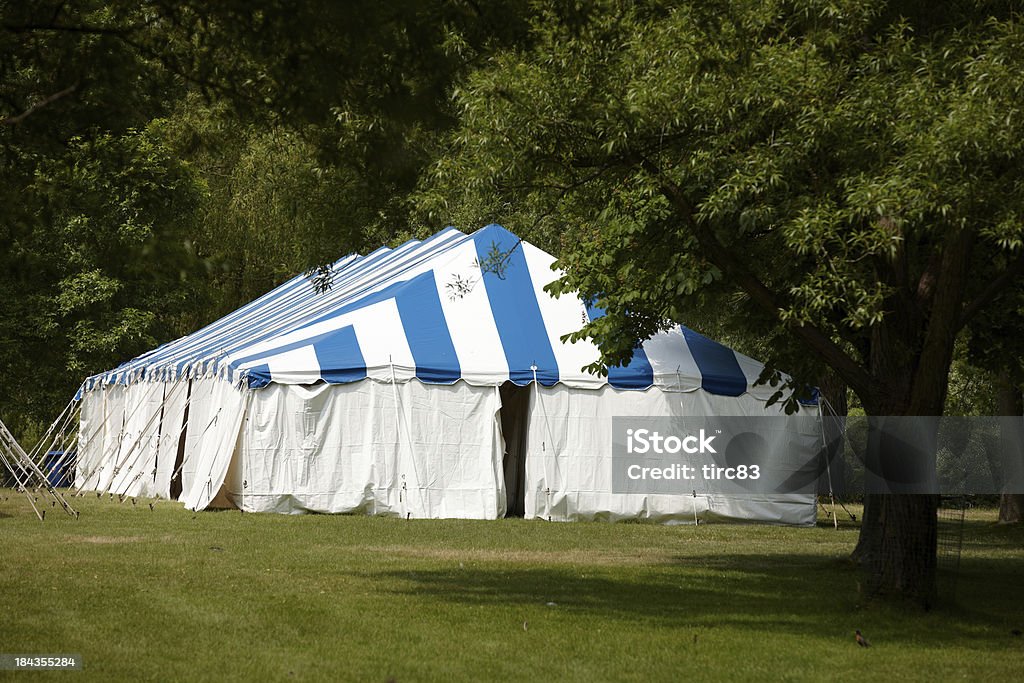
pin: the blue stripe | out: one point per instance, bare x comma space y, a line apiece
259, 376
719, 370
339, 357
516, 311
637, 374
426, 330
419, 309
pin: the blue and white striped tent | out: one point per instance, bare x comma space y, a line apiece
381, 394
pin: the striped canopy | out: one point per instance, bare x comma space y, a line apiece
427, 310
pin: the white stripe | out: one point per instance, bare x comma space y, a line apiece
562, 316
297, 366
379, 332
672, 361
470, 319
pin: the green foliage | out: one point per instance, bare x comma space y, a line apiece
152, 150
107, 270
820, 172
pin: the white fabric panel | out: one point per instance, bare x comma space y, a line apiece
111, 433
90, 437
217, 445
569, 462
793, 508
673, 364
298, 365
349, 448
176, 397
562, 316
203, 415
138, 445
470, 320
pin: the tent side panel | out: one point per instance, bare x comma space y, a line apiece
104, 435
569, 462
371, 447
203, 416
90, 438
172, 420
216, 446
138, 444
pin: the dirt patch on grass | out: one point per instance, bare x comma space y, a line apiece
106, 540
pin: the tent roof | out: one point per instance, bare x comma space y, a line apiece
426, 310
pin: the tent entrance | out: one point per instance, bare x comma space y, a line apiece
515, 420
179, 457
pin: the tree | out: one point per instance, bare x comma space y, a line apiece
95, 208
845, 176
285, 134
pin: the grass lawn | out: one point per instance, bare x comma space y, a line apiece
172, 595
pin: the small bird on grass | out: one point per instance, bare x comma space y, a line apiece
861, 640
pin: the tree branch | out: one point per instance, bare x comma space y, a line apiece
931, 376
856, 377
995, 288
13, 120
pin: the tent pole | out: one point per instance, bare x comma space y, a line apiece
398, 435
828, 467
547, 426
10, 449
62, 418
399, 413
20, 485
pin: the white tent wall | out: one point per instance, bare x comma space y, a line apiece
103, 422
132, 435
217, 444
423, 450
137, 447
203, 417
176, 396
382, 396
373, 447
569, 467
91, 430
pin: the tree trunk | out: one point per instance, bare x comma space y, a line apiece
898, 542
1011, 505
1009, 402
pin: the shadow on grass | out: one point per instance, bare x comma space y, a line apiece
803, 595
980, 535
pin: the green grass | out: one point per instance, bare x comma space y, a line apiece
172, 595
